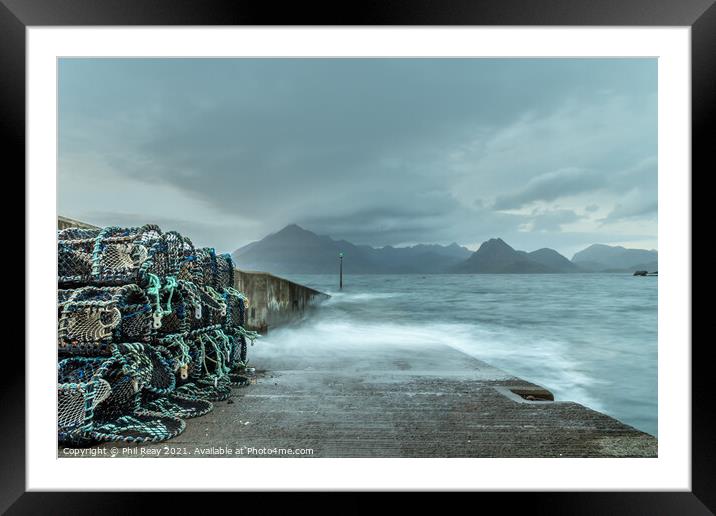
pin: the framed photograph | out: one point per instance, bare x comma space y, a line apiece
415, 249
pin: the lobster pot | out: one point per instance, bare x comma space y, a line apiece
191, 297
200, 307
175, 320
208, 305
224, 277
213, 307
209, 351
218, 348
235, 308
175, 405
188, 263
234, 323
163, 370
177, 349
209, 389
99, 400
178, 249
205, 271
209, 378
74, 249
117, 256
239, 349
197, 354
91, 318
81, 387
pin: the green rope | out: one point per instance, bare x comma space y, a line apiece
233, 292
251, 335
203, 355
155, 289
222, 354
226, 342
218, 298
190, 291
182, 361
221, 368
169, 287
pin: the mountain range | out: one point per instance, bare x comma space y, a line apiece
295, 250
496, 256
600, 257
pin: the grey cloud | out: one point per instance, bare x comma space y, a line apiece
403, 225
635, 193
553, 220
552, 186
383, 151
643, 208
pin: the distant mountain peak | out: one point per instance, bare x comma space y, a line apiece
497, 240
293, 232
495, 244
293, 228
545, 251
497, 256
605, 246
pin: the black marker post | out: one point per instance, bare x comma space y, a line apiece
340, 255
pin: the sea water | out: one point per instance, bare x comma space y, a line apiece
588, 338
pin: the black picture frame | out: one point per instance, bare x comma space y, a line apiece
700, 15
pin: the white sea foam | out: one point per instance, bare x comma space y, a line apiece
343, 297
508, 351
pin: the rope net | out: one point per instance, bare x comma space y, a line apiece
117, 256
150, 333
91, 318
224, 277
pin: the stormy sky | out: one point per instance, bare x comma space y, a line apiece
557, 153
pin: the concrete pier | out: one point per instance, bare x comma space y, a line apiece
398, 401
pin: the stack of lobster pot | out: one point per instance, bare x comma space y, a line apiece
150, 333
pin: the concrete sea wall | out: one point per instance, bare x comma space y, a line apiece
65, 222
273, 301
